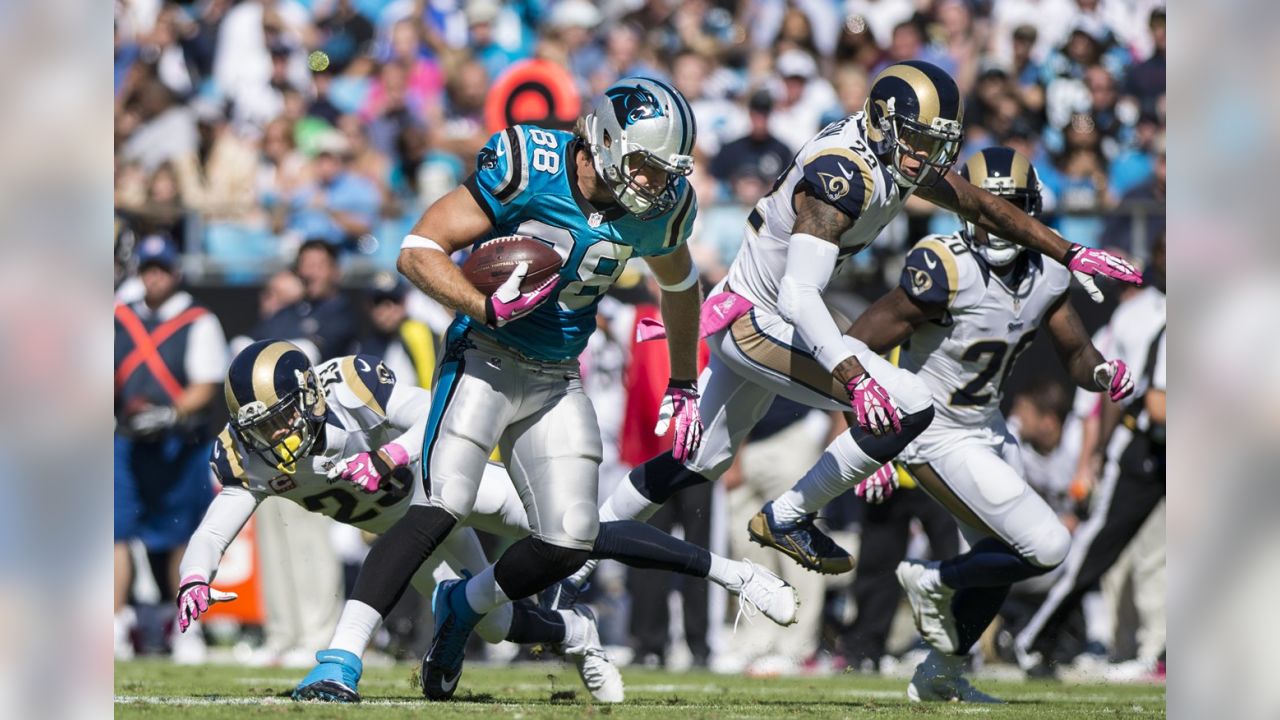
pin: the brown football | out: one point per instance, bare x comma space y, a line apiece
494, 261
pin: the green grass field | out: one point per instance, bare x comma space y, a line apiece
156, 689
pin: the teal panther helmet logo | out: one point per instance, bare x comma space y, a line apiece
632, 103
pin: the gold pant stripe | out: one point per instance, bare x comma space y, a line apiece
929, 479
785, 360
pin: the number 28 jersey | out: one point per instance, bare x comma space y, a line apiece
365, 410
966, 355
836, 167
526, 182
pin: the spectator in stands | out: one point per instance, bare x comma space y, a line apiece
878, 17
165, 129
960, 42
457, 126
1128, 232
338, 206
750, 164
573, 23
1027, 72
908, 42
346, 34
1146, 80
170, 356
323, 323
407, 346
719, 119
802, 99
482, 16
857, 43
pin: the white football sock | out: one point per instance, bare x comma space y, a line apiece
728, 574
483, 592
931, 580
842, 466
495, 626
626, 503
355, 627
575, 629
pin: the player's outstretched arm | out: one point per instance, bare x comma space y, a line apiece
451, 223
222, 522
891, 320
1087, 367
1001, 217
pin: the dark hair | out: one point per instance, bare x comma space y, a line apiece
317, 244
1048, 397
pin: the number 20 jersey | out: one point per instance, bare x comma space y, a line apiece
357, 392
526, 182
837, 167
966, 355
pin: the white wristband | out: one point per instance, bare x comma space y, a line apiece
685, 284
417, 241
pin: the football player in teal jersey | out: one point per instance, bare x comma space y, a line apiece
614, 189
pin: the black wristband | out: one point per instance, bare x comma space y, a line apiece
381, 466
683, 384
1071, 253
182, 590
490, 317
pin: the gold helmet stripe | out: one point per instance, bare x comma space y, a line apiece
1020, 171
926, 92
977, 167
264, 372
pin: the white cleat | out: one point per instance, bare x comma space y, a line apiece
598, 673
931, 609
767, 593
939, 679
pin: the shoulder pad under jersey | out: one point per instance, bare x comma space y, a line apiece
940, 271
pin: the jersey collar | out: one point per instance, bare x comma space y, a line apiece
607, 213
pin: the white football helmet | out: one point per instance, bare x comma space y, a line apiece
638, 122
1005, 172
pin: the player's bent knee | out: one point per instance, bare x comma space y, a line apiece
1051, 547
560, 560
581, 523
663, 476
884, 448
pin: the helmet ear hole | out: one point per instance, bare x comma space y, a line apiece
608, 139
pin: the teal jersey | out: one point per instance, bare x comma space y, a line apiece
526, 182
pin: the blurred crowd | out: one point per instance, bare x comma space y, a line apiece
244, 129
242, 157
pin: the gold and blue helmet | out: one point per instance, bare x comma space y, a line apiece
915, 121
638, 122
1007, 173
277, 406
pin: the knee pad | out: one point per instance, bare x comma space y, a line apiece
1050, 549
557, 559
886, 447
580, 524
663, 476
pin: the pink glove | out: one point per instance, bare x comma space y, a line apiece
681, 403
507, 303
1114, 375
877, 488
875, 412
196, 597
1085, 263
367, 470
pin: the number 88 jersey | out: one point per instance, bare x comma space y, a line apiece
987, 321
526, 182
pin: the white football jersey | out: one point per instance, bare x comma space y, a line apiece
837, 167
360, 395
966, 356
